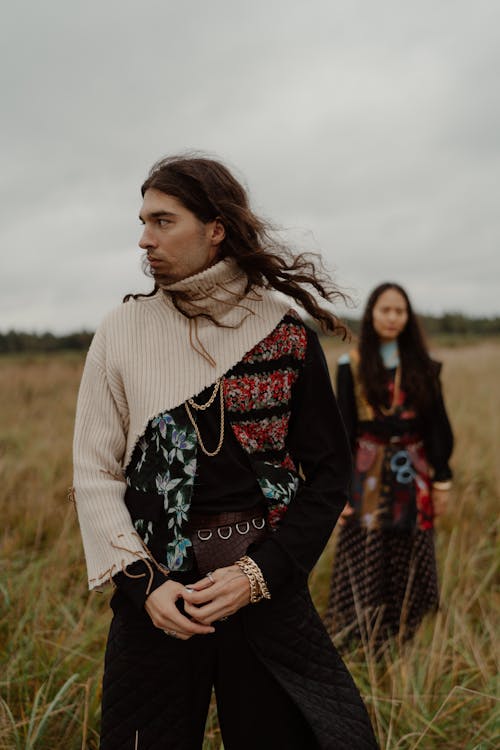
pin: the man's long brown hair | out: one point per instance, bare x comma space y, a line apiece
209, 190
419, 372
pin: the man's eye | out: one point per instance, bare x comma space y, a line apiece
163, 222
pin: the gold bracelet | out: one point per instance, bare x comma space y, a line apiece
261, 583
442, 485
258, 586
255, 595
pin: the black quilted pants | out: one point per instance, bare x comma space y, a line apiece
156, 690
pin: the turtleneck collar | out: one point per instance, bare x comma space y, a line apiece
214, 292
214, 298
390, 354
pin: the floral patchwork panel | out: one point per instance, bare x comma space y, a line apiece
267, 434
287, 339
259, 391
390, 487
278, 486
164, 464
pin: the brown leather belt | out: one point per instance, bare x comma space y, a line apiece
228, 519
219, 539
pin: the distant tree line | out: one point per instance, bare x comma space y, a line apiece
458, 323
19, 341
449, 323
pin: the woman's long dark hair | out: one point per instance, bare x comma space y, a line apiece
208, 189
418, 369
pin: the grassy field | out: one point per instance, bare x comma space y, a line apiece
440, 692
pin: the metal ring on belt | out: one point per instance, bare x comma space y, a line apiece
208, 533
225, 531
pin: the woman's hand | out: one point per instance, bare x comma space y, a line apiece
347, 512
160, 606
219, 595
440, 501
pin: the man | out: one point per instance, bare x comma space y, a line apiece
211, 465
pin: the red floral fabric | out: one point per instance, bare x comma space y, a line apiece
287, 339
260, 391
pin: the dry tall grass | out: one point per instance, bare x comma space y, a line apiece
441, 691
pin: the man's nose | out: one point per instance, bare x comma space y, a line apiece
147, 239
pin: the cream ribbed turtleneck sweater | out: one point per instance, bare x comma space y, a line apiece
147, 357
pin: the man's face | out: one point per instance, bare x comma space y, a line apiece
177, 243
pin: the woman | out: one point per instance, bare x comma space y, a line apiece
384, 576
211, 465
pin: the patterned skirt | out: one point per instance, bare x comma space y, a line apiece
383, 583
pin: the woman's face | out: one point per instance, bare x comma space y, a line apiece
389, 315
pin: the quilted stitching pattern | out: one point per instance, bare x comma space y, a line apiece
286, 633
150, 700
292, 641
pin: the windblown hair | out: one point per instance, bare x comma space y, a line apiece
419, 371
209, 190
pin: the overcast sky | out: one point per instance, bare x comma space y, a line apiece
369, 129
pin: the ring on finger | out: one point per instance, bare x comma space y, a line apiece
171, 633
210, 577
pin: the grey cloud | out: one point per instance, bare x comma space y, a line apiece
370, 129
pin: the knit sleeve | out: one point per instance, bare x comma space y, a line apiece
109, 538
